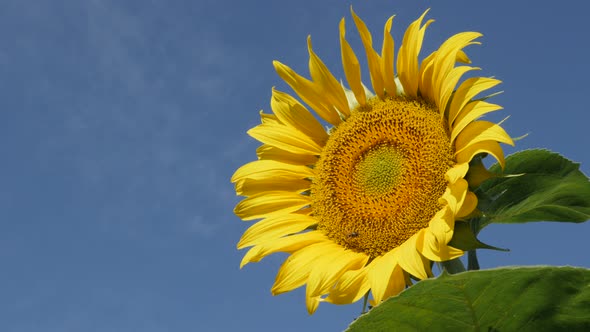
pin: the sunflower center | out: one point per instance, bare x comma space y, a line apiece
379, 170
380, 175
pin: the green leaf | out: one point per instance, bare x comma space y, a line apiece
537, 185
508, 299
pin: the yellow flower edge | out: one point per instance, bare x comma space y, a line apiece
327, 197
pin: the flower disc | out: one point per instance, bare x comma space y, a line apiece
381, 174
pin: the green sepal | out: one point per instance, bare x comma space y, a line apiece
464, 239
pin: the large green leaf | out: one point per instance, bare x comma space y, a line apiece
537, 185
507, 299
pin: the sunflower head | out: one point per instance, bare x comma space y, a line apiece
368, 204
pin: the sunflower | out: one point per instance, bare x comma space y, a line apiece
368, 204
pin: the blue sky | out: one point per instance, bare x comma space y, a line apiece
122, 122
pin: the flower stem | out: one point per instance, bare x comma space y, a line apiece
366, 298
472, 262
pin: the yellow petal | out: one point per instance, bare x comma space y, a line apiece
462, 57
457, 172
329, 87
291, 113
455, 194
407, 59
382, 276
249, 187
308, 91
491, 147
469, 205
408, 279
285, 138
274, 228
448, 86
352, 68
443, 221
471, 112
410, 260
269, 152
442, 225
478, 173
295, 270
269, 118
373, 59
387, 60
316, 282
287, 244
266, 169
396, 284
445, 60
425, 77
427, 263
380, 270
432, 249
351, 286
479, 131
470, 88
270, 204
352, 103
327, 269
312, 304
